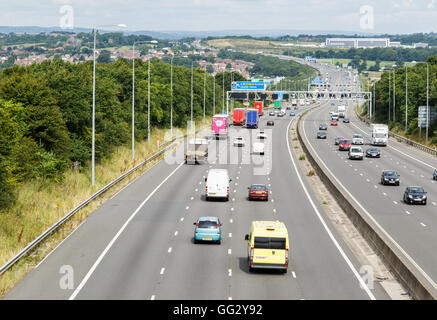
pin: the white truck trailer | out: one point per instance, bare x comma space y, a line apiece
341, 111
378, 134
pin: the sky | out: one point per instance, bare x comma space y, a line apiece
363, 16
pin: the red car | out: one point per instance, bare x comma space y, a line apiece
334, 123
344, 144
258, 192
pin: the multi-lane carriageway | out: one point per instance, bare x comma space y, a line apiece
139, 244
413, 227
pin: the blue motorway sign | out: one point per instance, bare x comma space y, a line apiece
247, 85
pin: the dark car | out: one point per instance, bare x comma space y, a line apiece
323, 127
337, 140
346, 120
258, 192
373, 153
390, 177
344, 144
270, 123
434, 176
415, 195
321, 135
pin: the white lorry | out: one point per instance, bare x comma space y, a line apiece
378, 134
341, 111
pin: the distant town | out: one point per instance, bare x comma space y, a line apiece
27, 54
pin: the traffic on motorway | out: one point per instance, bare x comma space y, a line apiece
268, 241
355, 145
393, 183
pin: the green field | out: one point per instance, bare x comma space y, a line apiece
370, 63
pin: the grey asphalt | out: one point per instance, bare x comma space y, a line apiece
413, 227
155, 257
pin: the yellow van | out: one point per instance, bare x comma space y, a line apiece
268, 246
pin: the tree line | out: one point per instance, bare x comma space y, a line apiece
46, 109
268, 66
390, 107
399, 55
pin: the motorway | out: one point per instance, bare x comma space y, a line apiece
413, 227
139, 244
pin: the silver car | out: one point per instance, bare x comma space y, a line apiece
357, 139
356, 153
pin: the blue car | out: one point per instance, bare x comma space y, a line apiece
292, 114
434, 176
208, 229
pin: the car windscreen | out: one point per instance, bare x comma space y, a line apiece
416, 190
258, 187
380, 135
355, 150
357, 136
372, 150
207, 224
269, 243
390, 173
345, 141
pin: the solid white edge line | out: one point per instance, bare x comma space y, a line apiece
111, 243
331, 236
75, 229
401, 152
428, 278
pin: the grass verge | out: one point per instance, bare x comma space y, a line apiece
41, 203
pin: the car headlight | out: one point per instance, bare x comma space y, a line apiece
424, 197
410, 196
397, 179
386, 179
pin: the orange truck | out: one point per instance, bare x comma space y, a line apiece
258, 105
239, 117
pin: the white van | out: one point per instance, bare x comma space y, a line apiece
217, 184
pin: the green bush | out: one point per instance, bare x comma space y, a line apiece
49, 166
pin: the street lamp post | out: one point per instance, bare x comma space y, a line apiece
148, 103
191, 112
394, 95
93, 142
213, 97
427, 100
223, 94
389, 95
204, 96
171, 97
406, 100
133, 94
